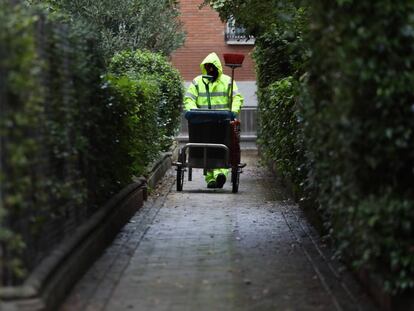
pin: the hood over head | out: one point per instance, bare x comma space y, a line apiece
212, 58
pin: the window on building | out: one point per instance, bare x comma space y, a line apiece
237, 35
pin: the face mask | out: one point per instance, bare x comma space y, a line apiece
212, 71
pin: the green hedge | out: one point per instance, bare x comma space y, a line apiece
360, 131
143, 63
42, 129
17, 120
281, 57
125, 24
71, 133
280, 134
340, 87
282, 51
135, 102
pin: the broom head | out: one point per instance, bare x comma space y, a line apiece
233, 59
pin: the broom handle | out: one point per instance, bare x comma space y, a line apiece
231, 88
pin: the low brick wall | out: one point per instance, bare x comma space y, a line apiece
51, 280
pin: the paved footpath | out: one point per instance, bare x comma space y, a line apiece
205, 249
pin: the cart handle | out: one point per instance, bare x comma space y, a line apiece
207, 146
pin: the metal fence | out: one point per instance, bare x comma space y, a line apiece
41, 228
3, 104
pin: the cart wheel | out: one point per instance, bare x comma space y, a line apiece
180, 178
190, 174
235, 177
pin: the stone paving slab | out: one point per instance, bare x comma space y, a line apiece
204, 249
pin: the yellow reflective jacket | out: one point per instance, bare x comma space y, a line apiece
201, 90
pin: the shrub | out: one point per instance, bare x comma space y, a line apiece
134, 101
281, 58
356, 107
281, 51
280, 132
383, 239
359, 131
138, 63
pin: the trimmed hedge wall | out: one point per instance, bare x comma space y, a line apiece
281, 57
344, 134
72, 132
43, 131
360, 131
336, 112
280, 137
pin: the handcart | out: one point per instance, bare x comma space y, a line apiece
214, 142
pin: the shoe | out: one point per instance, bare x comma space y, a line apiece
212, 184
220, 180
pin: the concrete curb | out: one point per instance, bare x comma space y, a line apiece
50, 282
159, 168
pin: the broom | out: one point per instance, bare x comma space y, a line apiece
233, 61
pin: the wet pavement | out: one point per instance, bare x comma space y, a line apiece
206, 249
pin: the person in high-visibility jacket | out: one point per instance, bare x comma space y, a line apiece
213, 94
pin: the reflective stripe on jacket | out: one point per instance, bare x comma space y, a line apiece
203, 94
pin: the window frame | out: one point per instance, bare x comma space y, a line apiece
234, 35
